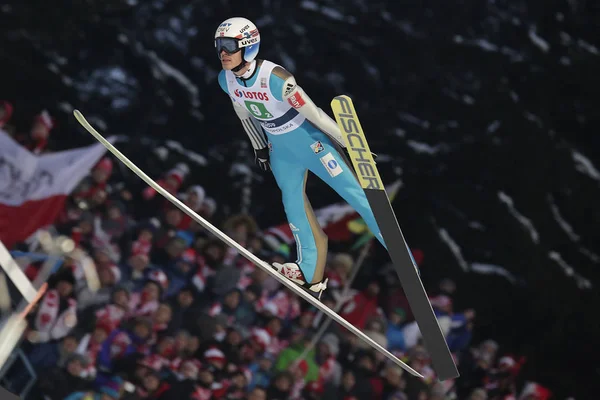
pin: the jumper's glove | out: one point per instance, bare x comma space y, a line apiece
261, 157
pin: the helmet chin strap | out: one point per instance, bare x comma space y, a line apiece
239, 67
249, 73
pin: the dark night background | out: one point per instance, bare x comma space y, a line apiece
486, 110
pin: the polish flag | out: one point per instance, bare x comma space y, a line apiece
33, 188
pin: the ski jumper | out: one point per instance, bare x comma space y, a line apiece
296, 147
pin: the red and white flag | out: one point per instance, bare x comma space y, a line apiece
33, 188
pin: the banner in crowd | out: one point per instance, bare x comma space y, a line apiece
33, 188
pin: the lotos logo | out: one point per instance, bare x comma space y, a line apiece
251, 95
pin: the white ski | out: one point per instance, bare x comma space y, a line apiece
243, 251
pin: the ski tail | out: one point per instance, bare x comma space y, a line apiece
370, 180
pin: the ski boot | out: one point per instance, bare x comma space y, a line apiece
293, 273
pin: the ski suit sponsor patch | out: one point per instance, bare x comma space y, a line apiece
317, 147
296, 101
331, 165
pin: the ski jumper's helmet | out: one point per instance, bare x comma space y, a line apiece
238, 34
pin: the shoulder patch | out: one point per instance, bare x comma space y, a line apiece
289, 86
281, 72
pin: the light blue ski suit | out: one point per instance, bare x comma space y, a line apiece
302, 147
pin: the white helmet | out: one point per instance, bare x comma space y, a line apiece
235, 34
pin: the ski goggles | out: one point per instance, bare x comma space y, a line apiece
229, 45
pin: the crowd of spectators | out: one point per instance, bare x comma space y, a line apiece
179, 315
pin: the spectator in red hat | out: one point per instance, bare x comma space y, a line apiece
171, 182
193, 198
92, 190
113, 313
144, 240
102, 171
37, 140
500, 381
215, 358
254, 345
535, 391
146, 301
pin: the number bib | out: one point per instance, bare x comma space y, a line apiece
259, 110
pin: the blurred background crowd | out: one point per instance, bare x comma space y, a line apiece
181, 315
